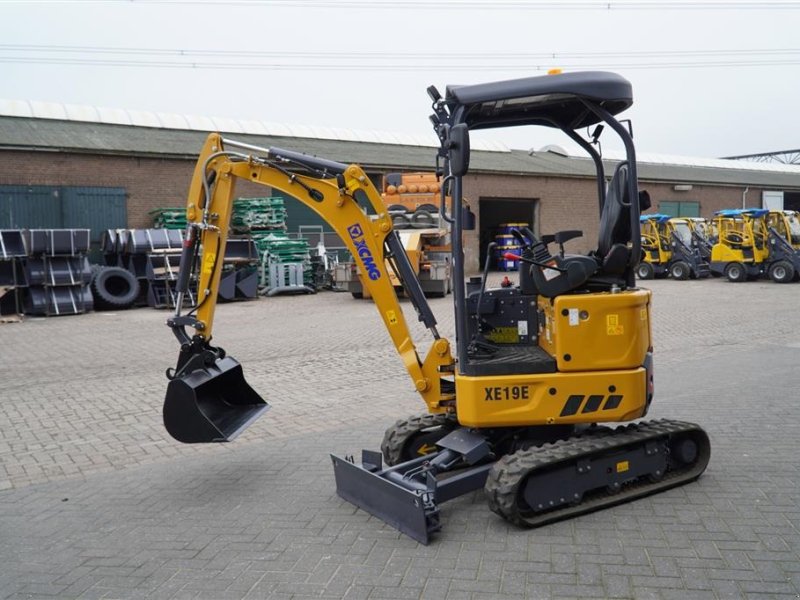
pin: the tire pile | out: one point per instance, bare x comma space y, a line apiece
425, 216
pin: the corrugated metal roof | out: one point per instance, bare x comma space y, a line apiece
88, 136
711, 163
119, 116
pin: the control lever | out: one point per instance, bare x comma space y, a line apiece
538, 247
478, 342
514, 257
525, 243
526, 283
486, 263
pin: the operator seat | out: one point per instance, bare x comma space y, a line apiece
615, 225
605, 267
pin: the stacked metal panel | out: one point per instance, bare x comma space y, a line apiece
283, 258
169, 218
12, 274
258, 214
280, 247
264, 219
57, 272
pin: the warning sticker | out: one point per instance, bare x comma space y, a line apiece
550, 274
522, 328
574, 319
613, 326
208, 263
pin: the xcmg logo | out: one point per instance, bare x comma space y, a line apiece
357, 235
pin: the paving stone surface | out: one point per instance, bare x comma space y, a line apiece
97, 501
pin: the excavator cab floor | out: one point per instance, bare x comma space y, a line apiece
211, 404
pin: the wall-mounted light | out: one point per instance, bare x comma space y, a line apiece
682, 187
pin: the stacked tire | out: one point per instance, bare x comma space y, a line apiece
114, 288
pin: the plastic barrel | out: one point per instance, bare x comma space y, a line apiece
504, 239
505, 228
503, 264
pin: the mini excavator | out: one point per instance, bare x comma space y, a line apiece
528, 417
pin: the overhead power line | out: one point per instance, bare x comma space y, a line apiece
425, 56
177, 58
278, 66
483, 5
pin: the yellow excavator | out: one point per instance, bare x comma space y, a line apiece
527, 417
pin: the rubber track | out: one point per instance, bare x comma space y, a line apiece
510, 472
398, 435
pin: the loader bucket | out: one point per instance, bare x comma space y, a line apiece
211, 404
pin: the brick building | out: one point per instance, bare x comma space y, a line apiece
66, 166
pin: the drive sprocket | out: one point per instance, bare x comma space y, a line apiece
414, 436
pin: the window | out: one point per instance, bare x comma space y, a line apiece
679, 208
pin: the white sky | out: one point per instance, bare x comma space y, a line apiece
366, 65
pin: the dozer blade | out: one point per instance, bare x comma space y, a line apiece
212, 403
413, 512
407, 495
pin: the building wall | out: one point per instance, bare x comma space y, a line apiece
711, 198
150, 182
563, 203
571, 203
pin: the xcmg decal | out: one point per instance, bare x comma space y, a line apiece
364, 253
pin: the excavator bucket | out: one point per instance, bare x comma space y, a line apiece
212, 403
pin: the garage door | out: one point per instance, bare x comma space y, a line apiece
55, 207
682, 208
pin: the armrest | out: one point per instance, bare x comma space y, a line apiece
562, 237
547, 239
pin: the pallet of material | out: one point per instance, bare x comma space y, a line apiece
9, 305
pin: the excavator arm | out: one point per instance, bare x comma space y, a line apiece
199, 405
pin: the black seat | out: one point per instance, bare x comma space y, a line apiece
609, 264
615, 224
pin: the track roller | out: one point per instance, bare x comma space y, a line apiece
558, 481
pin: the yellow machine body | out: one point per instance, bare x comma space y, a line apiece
600, 343
596, 332
741, 239
551, 398
787, 224
655, 242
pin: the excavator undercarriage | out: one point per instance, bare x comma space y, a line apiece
536, 484
539, 402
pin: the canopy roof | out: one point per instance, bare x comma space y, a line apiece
549, 100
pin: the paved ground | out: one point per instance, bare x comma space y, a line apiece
96, 501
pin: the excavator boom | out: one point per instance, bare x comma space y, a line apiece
207, 398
